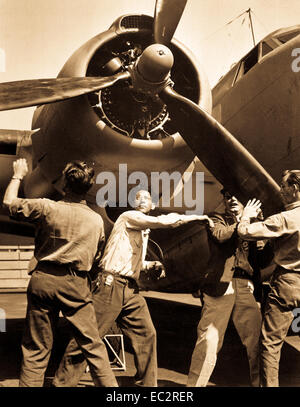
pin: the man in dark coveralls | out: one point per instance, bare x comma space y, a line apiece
227, 292
68, 237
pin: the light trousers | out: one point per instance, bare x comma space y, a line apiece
239, 303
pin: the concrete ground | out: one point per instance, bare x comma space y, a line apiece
175, 317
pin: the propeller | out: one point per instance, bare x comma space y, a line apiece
20, 94
233, 166
15, 95
222, 154
166, 18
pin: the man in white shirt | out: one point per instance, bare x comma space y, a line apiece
117, 297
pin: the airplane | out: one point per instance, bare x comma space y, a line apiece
137, 96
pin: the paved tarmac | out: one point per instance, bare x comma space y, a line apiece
175, 317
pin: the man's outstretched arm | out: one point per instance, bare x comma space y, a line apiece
142, 221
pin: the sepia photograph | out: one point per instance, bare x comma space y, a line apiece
150, 196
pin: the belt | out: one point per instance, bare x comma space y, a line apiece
51, 267
240, 273
108, 278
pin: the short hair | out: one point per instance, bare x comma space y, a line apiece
293, 177
79, 177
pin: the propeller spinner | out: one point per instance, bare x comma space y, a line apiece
151, 71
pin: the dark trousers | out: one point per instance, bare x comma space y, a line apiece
119, 302
53, 289
283, 298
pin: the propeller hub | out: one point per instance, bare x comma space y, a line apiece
155, 63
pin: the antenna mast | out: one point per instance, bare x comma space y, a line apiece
251, 25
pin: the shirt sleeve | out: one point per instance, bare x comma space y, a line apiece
29, 210
141, 221
101, 244
221, 231
95, 269
274, 226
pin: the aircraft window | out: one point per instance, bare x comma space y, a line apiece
287, 37
265, 49
247, 63
250, 60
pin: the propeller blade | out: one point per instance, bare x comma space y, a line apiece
19, 94
166, 18
232, 165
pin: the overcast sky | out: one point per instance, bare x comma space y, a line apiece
38, 36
